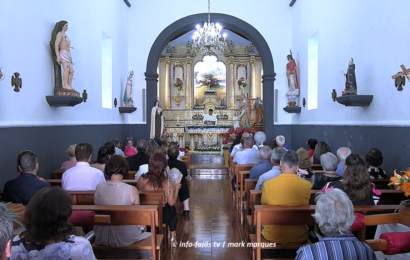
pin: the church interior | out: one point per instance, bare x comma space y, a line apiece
152, 45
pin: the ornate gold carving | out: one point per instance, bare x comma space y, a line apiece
252, 62
188, 62
171, 135
167, 62
231, 106
231, 62
178, 99
188, 106
167, 106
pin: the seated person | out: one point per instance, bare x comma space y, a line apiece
210, 117
22, 188
237, 141
320, 148
276, 155
157, 179
311, 143
116, 192
334, 215
173, 162
71, 161
342, 154
117, 145
374, 159
141, 158
82, 177
305, 166
356, 183
286, 190
6, 232
239, 146
152, 145
48, 234
104, 153
280, 142
329, 164
264, 166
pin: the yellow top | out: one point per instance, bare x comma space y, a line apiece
286, 190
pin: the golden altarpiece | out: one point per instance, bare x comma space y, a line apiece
192, 81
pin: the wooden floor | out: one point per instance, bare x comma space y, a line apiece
212, 220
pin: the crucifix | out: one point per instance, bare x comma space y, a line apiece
399, 77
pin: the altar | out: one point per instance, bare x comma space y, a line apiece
206, 138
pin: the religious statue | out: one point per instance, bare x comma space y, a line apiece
258, 105
128, 102
16, 81
293, 83
60, 48
2, 76
157, 121
245, 109
350, 85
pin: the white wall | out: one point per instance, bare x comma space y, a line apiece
376, 34
273, 19
25, 32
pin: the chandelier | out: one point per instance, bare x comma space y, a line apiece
210, 35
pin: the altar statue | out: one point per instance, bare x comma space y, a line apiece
293, 84
62, 46
128, 102
245, 109
258, 106
157, 121
350, 85
210, 117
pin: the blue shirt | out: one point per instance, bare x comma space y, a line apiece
274, 172
247, 156
339, 171
341, 247
261, 168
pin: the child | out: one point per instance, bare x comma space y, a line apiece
130, 149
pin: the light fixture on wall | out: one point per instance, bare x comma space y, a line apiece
210, 35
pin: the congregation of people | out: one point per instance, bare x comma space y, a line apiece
49, 235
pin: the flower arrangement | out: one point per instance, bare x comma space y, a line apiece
164, 137
202, 126
221, 107
209, 81
212, 92
198, 117
206, 148
233, 132
222, 117
402, 182
242, 83
198, 107
178, 84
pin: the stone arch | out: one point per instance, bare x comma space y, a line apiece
231, 23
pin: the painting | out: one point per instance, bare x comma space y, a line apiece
209, 77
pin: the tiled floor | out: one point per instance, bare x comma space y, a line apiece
212, 220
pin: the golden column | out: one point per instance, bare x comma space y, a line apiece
188, 87
231, 84
167, 90
252, 90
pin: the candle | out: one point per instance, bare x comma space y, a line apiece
177, 119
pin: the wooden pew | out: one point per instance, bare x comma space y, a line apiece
317, 167
57, 182
82, 197
240, 167
131, 215
296, 215
250, 184
381, 184
240, 189
58, 174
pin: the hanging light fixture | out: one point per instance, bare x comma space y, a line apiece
210, 35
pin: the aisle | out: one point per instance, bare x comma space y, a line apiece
212, 221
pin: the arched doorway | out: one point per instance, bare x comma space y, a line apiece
231, 23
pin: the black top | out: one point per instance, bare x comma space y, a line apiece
174, 163
22, 188
322, 179
378, 173
371, 198
135, 161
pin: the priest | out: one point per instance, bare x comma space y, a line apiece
210, 117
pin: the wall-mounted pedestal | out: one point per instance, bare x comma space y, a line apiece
355, 100
127, 109
63, 101
292, 109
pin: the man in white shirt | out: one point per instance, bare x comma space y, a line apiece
82, 177
239, 147
210, 117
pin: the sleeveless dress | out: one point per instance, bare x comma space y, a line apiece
116, 236
129, 151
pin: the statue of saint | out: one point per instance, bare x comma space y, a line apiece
62, 47
293, 84
157, 121
351, 86
128, 102
258, 106
245, 110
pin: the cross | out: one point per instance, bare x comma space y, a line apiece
404, 72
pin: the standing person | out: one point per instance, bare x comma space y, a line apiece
157, 121
62, 49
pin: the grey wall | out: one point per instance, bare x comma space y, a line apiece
50, 144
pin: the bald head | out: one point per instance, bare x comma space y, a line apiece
342, 153
246, 134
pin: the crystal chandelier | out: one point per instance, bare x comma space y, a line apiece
210, 35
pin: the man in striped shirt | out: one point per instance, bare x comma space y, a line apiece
334, 215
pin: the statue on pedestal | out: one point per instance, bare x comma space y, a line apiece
60, 48
350, 85
293, 84
258, 105
157, 121
128, 102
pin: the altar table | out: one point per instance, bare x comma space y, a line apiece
198, 132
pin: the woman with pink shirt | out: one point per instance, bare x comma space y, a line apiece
72, 160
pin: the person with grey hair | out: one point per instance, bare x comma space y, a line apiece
334, 215
342, 154
72, 161
117, 145
329, 164
27, 183
6, 232
136, 160
280, 142
276, 155
285, 190
239, 147
264, 166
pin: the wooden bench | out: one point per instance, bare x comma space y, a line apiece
58, 174
240, 189
317, 167
131, 215
57, 182
237, 168
296, 215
